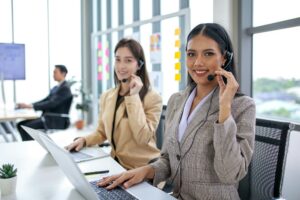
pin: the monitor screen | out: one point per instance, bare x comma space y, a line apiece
12, 61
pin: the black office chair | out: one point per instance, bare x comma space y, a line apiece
49, 117
160, 128
167, 187
265, 175
160, 131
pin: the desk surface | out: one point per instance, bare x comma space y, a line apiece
11, 114
8, 115
39, 177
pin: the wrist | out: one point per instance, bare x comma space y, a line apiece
150, 172
224, 113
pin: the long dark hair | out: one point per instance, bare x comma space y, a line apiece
221, 37
137, 51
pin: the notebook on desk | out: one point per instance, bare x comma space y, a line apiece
84, 154
89, 190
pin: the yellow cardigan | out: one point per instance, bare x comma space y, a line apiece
135, 133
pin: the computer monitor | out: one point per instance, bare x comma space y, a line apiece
12, 61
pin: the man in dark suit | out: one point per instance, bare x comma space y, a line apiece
58, 102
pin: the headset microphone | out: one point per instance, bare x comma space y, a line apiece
141, 63
211, 77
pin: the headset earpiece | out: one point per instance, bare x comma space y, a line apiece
228, 57
141, 63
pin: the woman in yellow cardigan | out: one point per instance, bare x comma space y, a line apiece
129, 113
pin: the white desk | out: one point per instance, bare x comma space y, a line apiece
39, 177
10, 115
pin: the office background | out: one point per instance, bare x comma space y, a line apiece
70, 32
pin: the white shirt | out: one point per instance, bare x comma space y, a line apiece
186, 118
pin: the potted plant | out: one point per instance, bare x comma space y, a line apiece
83, 106
84, 103
8, 179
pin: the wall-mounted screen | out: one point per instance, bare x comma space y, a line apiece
12, 61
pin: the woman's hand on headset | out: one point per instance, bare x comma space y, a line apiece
227, 93
135, 84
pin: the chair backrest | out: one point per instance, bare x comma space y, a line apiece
58, 120
160, 128
69, 103
265, 175
68, 106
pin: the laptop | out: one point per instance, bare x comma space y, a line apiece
84, 154
89, 190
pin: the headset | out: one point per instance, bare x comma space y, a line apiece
141, 64
228, 56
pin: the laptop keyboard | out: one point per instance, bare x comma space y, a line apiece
115, 194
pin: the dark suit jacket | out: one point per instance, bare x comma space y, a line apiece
58, 101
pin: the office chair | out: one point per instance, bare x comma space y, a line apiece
160, 131
160, 128
265, 173
49, 116
166, 186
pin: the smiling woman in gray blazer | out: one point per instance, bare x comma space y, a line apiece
210, 126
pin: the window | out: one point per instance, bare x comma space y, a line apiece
276, 81
277, 10
169, 6
128, 12
115, 13
145, 9
31, 28
65, 37
5, 21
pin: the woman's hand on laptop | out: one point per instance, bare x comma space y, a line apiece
78, 144
128, 178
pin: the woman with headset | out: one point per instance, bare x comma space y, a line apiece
129, 113
209, 127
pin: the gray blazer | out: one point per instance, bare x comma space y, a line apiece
211, 158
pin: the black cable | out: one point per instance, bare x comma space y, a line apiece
181, 157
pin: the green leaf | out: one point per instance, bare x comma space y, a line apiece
8, 171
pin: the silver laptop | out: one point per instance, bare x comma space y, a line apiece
84, 154
88, 190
